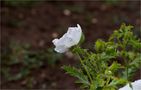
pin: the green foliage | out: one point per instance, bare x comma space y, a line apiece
76, 9
99, 45
14, 22
100, 69
52, 56
112, 2
77, 73
20, 2
19, 61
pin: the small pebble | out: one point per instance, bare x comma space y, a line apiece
44, 86
103, 7
21, 16
69, 54
54, 35
67, 12
138, 21
94, 20
41, 43
53, 84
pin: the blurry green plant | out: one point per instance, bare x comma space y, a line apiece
112, 2
19, 61
20, 2
13, 23
76, 9
101, 69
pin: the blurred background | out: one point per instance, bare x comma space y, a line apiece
28, 27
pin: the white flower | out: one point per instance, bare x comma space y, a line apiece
136, 86
69, 39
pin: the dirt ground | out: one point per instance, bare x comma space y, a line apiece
39, 23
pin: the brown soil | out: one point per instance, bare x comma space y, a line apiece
37, 24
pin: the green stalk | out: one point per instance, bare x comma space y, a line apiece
86, 70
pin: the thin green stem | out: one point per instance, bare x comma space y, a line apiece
108, 80
86, 70
126, 69
81, 61
126, 61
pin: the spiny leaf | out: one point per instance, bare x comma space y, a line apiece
76, 73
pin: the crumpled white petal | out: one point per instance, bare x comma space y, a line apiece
136, 86
69, 39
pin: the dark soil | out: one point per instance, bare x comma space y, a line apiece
38, 24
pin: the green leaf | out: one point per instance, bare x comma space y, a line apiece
77, 73
118, 81
99, 45
115, 66
133, 66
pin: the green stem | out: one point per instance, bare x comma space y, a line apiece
108, 80
86, 70
126, 61
126, 69
81, 61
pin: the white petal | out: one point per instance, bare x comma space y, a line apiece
78, 26
61, 49
69, 39
136, 86
55, 41
74, 35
